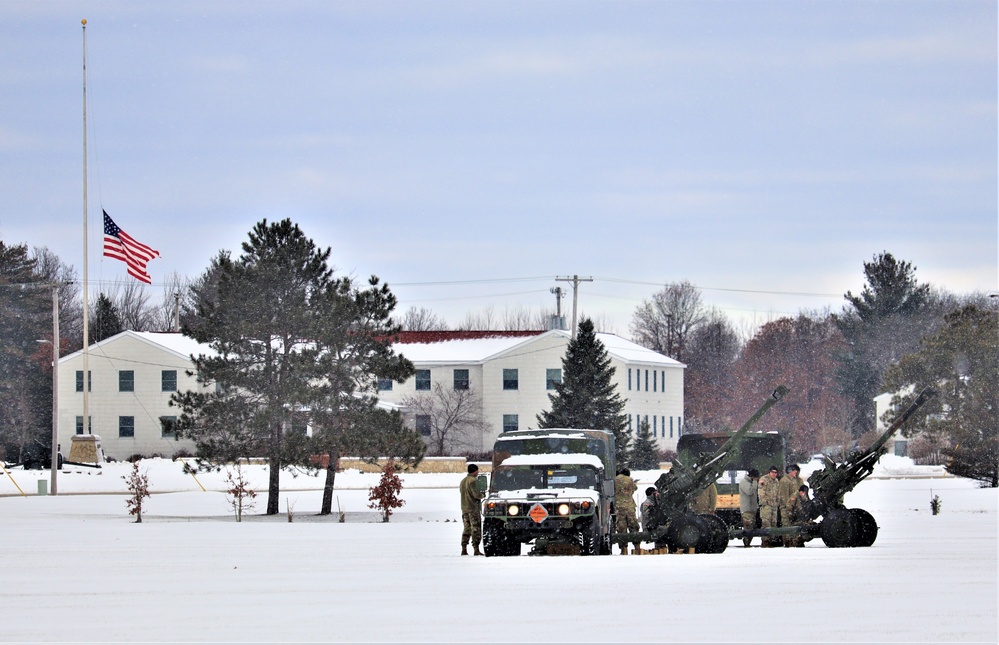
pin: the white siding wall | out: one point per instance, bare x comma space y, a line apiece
146, 404
532, 359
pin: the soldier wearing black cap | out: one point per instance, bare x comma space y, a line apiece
471, 511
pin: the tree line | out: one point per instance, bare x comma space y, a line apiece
268, 314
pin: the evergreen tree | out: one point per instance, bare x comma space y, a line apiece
586, 397
962, 362
291, 343
644, 453
25, 372
106, 321
881, 325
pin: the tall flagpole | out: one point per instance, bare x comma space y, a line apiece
86, 327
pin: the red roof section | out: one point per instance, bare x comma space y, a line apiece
408, 337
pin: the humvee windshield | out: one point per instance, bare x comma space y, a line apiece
543, 477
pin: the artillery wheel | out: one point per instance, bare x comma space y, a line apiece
839, 528
716, 541
687, 532
867, 527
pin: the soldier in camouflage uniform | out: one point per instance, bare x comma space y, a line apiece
769, 502
797, 516
749, 502
788, 489
471, 511
624, 505
706, 500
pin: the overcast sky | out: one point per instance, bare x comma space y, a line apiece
470, 152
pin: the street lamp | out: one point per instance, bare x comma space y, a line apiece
55, 389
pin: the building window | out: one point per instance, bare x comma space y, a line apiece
510, 422
679, 427
423, 424
662, 379
629, 378
299, 425
126, 381
79, 424
510, 379
655, 428
79, 381
168, 380
461, 379
655, 384
168, 427
423, 380
646, 380
552, 378
384, 385
126, 426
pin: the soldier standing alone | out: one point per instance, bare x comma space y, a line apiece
624, 505
471, 510
769, 502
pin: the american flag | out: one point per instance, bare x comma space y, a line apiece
121, 246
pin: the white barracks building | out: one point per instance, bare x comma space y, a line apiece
514, 373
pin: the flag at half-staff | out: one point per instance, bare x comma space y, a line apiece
121, 246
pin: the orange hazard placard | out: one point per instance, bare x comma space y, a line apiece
538, 513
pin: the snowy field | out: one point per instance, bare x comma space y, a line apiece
77, 568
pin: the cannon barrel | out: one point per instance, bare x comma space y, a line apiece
678, 487
831, 483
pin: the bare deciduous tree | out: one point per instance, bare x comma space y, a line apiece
664, 323
422, 319
452, 417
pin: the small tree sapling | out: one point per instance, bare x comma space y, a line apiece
138, 486
385, 496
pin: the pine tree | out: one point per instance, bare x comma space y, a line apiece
291, 343
586, 397
881, 326
644, 454
106, 322
961, 361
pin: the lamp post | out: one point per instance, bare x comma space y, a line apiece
55, 387
54, 467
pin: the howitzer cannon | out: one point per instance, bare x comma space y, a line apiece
841, 526
671, 523
850, 527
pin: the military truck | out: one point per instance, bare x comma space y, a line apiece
553, 488
759, 450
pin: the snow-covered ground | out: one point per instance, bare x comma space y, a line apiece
77, 568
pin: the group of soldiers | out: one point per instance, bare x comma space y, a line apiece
778, 501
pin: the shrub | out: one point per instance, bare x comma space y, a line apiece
385, 496
138, 486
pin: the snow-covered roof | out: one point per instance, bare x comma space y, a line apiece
478, 350
174, 342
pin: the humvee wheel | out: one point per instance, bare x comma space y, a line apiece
867, 527
839, 528
588, 540
495, 541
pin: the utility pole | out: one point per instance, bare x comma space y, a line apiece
176, 311
54, 469
575, 280
558, 306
